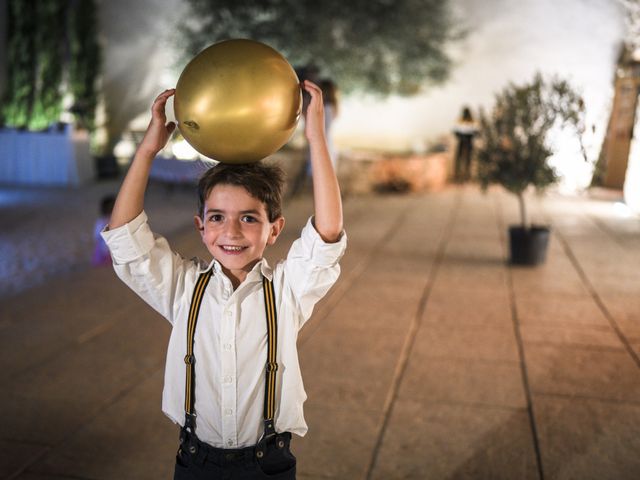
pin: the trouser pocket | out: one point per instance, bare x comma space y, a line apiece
274, 457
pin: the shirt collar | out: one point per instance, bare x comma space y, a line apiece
262, 266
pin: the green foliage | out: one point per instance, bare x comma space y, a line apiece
84, 66
47, 105
45, 39
514, 137
21, 77
377, 46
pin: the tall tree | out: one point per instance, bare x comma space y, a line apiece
379, 46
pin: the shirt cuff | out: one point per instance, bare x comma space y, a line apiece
129, 241
321, 252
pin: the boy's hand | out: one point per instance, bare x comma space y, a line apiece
158, 131
314, 118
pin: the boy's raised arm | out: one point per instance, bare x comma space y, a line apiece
326, 191
130, 199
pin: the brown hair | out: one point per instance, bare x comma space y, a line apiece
262, 181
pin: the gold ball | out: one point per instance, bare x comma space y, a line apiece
238, 101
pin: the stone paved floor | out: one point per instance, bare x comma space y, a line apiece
430, 359
48, 231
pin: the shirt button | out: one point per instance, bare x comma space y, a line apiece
227, 346
228, 379
227, 313
228, 411
230, 442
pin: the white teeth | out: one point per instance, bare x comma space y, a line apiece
232, 248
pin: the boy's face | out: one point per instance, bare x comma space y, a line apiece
235, 228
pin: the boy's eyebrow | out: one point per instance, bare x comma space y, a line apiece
218, 210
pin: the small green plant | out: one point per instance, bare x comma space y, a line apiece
514, 144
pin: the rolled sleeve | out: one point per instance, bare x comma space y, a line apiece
312, 267
316, 250
147, 265
130, 241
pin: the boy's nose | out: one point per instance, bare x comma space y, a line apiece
233, 229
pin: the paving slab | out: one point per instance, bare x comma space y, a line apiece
588, 439
16, 456
624, 308
102, 449
488, 273
341, 445
35, 476
572, 335
549, 279
459, 382
554, 309
471, 342
378, 305
330, 376
427, 441
476, 306
583, 372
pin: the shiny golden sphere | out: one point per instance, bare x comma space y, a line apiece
238, 101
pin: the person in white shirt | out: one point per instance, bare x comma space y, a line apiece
232, 377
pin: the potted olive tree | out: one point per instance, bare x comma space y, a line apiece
514, 149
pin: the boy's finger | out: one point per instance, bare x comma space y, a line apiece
312, 91
165, 95
310, 87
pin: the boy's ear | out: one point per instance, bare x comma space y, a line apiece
199, 224
276, 228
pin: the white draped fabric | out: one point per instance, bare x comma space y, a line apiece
172, 170
45, 158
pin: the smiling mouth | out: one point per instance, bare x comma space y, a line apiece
232, 248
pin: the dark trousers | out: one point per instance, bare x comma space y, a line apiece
462, 170
271, 459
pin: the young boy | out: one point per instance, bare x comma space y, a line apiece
232, 378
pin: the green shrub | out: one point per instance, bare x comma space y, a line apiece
513, 142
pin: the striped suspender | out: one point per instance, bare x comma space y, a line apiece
189, 359
272, 365
272, 345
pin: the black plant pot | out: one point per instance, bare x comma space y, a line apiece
528, 246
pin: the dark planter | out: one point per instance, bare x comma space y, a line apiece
528, 246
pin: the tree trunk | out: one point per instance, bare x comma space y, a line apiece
523, 211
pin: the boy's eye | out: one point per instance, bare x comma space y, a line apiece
216, 217
249, 219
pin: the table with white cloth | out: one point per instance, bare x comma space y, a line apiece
53, 157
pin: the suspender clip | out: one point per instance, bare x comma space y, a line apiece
272, 367
190, 422
269, 430
189, 359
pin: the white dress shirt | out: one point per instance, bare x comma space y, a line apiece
230, 346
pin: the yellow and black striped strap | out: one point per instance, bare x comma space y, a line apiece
272, 365
189, 359
272, 348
